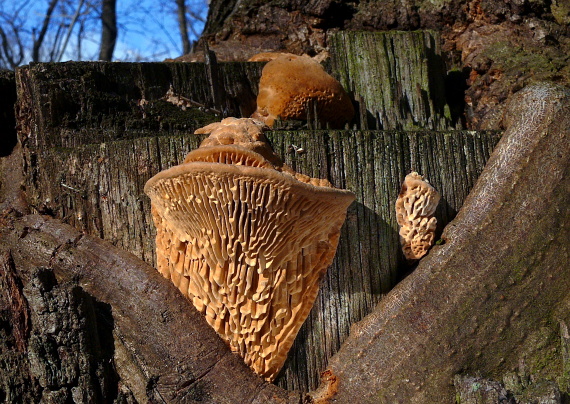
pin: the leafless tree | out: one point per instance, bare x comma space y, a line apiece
11, 50
57, 30
183, 25
41, 35
109, 29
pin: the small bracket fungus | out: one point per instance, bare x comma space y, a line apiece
246, 239
289, 83
415, 206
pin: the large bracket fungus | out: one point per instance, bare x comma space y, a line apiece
415, 206
290, 83
246, 239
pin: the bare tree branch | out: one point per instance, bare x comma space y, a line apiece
7, 50
41, 36
69, 31
183, 26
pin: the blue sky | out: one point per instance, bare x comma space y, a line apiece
148, 29
159, 37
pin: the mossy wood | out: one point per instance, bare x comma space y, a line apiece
88, 165
397, 78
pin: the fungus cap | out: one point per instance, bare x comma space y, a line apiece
245, 240
415, 207
289, 83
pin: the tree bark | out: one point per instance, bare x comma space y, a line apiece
183, 26
86, 158
108, 30
76, 158
166, 350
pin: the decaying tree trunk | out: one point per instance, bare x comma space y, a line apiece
76, 151
398, 79
92, 134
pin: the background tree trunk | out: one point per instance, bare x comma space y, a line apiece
108, 29
183, 26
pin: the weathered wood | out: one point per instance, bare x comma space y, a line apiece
88, 164
397, 78
77, 103
94, 191
165, 349
493, 295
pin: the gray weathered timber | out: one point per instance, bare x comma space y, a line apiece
396, 77
99, 189
495, 295
75, 103
94, 133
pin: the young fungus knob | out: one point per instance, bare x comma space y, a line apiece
246, 239
289, 83
415, 206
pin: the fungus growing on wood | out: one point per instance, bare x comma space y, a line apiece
290, 83
268, 56
415, 206
246, 239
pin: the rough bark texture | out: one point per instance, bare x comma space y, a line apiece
52, 341
163, 349
493, 296
497, 47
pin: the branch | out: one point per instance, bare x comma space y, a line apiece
179, 355
69, 31
476, 303
38, 42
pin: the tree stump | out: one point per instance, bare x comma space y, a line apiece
93, 133
90, 174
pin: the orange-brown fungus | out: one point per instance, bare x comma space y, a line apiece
414, 212
289, 84
268, 56
246, 240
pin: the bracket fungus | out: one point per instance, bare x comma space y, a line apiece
290, 83
246, 239
415, 206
